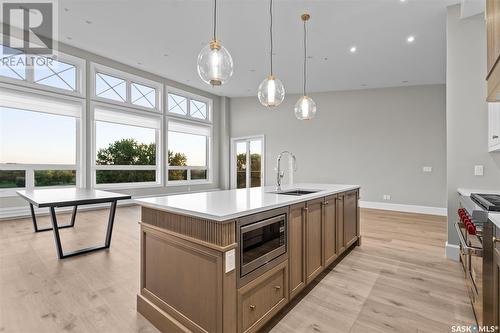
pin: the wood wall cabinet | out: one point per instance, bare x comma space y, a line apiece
314, 243
296, 248
329, 230
493, 52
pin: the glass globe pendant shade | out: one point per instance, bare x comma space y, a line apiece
305, 108
271, 92
215, 64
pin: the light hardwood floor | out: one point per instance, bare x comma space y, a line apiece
397, 281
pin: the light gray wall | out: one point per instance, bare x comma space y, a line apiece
218, 143
466, 111
377, 138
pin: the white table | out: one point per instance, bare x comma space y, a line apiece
71, 197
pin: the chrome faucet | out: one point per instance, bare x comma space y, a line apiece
280, 174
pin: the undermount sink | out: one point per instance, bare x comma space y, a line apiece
297, 192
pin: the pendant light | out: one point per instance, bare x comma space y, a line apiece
215, 64
305, 108
271, 91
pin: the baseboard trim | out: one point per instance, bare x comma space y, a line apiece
440, 211
452, 251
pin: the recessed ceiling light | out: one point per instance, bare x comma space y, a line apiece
402, 0
410, 39
165, 54
66, 9
353, 49
88, 22
325, 58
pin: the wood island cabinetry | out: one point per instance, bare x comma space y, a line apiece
190, 266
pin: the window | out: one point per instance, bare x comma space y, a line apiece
188, 152
39, 140
113, 86
12, 65
126, 145
247, 162
188, 106
55, 73
177, 104
59, 73
110, 87
143, 95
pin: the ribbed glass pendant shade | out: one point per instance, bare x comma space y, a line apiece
271, 92
215, 64
305, 108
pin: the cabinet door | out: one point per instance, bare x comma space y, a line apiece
350, 218
493, 126
296, 248
339, 204
329, 227
493, 49
314, 242
493, 33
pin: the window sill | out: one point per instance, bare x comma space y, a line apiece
188, 183
126, 186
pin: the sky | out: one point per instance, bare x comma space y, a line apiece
39, 138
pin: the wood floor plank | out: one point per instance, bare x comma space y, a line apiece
397, 281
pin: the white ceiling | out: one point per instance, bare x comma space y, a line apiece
165, 36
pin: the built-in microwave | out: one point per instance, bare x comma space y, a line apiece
262, 241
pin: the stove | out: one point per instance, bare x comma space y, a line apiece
490, 202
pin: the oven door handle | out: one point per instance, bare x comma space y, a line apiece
466, 249
263, 223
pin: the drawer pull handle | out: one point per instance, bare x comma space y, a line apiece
277, 287
305, 209
325, 203
496, 239
252, 307
494, 137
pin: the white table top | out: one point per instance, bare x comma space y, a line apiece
230, 204
69, 196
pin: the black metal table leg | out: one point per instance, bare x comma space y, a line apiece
56, 228
56, 232
35, 224
33, 217
111, 221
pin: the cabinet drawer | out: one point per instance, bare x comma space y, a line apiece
262, 298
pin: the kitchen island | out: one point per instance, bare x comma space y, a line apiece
228, 261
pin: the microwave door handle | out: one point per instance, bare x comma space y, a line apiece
263, 223
468, 250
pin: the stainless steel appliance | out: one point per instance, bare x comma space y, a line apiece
475, 235
262, 242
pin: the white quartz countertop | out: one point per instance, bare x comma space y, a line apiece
494, 217
230, 204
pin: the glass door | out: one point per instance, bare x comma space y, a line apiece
247, 166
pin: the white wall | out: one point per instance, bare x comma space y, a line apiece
377, 138
466, 111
